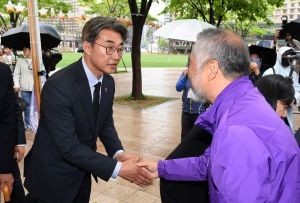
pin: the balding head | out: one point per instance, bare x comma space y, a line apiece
227, 48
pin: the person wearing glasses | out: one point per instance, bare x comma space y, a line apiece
23, 80
76, 109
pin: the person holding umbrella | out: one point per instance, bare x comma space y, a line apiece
23, 80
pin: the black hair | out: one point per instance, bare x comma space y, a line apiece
91, 29
27, 45
276, 87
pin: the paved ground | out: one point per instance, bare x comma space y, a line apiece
152, 133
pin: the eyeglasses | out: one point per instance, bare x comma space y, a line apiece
110, 50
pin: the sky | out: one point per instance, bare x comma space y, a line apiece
155, 9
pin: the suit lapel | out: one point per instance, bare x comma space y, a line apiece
83, 88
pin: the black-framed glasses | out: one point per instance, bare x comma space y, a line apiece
110, 50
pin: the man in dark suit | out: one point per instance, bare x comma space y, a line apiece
7, 127
63, 155
18, 194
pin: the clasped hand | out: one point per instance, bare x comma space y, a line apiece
135, 171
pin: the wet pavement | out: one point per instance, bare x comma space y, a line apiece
151, 133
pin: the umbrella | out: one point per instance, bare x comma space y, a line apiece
80, 50
264, 43
17, 37
186, 30
293, 28
268, 56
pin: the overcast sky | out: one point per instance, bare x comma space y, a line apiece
157, 8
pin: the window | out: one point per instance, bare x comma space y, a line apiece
284, 11
291, 16
291, 10
298, 16
276, 17
278, 11
292, 4
298, 4
285, 5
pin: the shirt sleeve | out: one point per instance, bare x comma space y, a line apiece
193, 168
17, 75
181, 83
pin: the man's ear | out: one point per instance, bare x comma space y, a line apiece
86, 46
213, 67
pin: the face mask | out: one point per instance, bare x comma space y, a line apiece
285, 62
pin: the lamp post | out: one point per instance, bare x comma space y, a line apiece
10, 8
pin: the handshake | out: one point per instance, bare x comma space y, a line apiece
140, 173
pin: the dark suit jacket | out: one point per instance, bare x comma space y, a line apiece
20, 130
65, 143
7, 119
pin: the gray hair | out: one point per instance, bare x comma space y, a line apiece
91, 29
224, 46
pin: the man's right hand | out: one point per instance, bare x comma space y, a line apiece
131, 172
17, 89
6, 179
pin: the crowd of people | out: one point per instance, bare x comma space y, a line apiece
237, 149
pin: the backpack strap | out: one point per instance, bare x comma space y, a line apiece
273, 70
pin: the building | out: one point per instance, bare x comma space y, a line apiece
291, 9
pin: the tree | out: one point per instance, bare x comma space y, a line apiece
139, 16
244, 28
113, 8
16, 19
216, 11
59, 27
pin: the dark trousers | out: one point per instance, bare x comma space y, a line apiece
194, 144
187, 123
18, 194
83, 195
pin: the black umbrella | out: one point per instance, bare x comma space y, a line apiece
17, 37
268, 55
80, 50
293, 28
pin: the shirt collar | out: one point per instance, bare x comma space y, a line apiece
93, 80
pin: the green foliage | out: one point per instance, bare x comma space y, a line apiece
112, 8
59, 27
163, 43
130, 97
18, 19
216, 11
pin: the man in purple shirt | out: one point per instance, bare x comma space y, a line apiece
253, 156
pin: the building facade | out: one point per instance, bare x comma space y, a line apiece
290, 9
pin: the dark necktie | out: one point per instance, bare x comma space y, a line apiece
96, 99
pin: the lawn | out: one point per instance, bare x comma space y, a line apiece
147, 60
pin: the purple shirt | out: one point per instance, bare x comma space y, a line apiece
253, 157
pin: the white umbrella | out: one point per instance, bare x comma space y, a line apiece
186, 29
